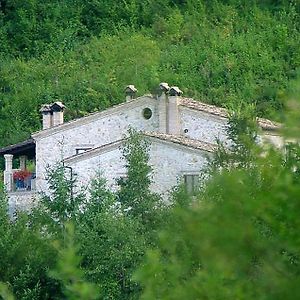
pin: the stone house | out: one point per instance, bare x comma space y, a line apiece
182, 133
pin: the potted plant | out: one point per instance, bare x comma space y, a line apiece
20, 177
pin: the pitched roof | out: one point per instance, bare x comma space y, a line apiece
183, 141
177, 140
57, 106
185, 102
45, 108
23, 148
91, 116
200, 106
222, 112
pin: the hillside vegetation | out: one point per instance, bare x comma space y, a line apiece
85, 52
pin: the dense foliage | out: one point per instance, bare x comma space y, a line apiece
85, 52
240, 238
240, 242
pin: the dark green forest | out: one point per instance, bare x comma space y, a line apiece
85, 52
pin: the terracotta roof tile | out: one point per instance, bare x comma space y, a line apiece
184, 141
222, 112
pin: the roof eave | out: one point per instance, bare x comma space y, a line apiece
25, 147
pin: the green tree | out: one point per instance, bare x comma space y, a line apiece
68, 270
64, 200
242, 145
239, 240
25, 257
135, 194
116, 228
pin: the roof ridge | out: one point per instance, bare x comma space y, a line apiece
223, 112
183, 140
116, 106
94, 149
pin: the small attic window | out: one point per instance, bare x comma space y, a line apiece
147, 113
82, 150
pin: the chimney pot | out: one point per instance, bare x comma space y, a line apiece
53, 114
175, 91
164, 87
130, 92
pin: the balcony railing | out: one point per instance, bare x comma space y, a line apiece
22, 180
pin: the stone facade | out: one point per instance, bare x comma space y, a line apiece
103, 128
59, 143
182, 132
202, 126
170, 161
21, 200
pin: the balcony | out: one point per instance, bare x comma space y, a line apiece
20, 170
22, 180
19, 175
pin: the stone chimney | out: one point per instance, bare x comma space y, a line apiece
47, 116
163, 107
58, 113
173, 123
130, 92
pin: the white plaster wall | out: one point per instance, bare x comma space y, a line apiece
100, 131
202, 126
169, 162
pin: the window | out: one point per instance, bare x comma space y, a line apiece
191, 182
147, 113
82, 150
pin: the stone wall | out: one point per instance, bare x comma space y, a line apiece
21, 201
168, 160
99, 131
202, 126
56, 144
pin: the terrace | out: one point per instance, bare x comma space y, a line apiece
19, 173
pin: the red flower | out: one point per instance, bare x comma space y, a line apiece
21, 175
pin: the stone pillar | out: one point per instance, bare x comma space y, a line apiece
47, 116
163, 107
173, 121
130, 92
8, 173
23, 159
